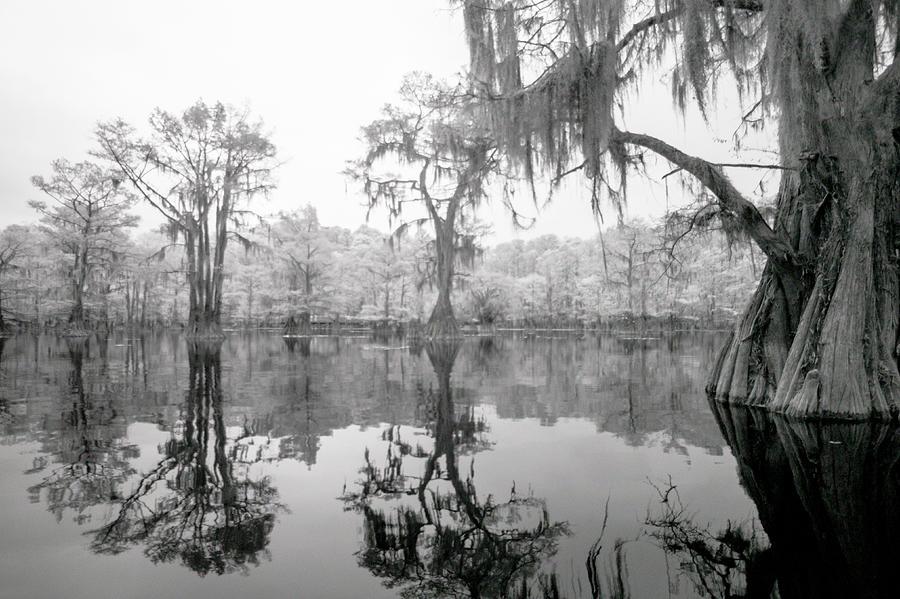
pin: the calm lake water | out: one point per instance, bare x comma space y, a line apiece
350, 467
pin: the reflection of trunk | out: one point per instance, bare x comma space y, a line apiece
193, 476
186, 509
453, 541
819, 336
83, 446
223, 465
442, 322
826, 496
442, 356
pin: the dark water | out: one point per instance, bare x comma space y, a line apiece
346, 467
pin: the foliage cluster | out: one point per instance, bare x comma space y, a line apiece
294, 264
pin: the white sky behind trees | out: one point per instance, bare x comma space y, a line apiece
314, 72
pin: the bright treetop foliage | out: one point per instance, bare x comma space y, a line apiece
199, 169
87, 219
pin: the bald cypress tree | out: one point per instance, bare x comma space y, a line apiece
430, 150
87, 219
199, 169
819, 336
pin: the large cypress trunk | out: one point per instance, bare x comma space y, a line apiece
205, 276
818, 338
442, 322
76, 316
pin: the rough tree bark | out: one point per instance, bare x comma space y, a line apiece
442, 322
79, 281
298, 325
819, 337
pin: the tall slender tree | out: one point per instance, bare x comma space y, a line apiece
444, 158
198, 169
819, 336
13, 242
86, 219
304, 247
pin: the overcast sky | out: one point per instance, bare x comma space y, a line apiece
313, 71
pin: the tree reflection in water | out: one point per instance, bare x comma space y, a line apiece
199, 504
6, 416
730, 563
429, 534
826, 494
91, 457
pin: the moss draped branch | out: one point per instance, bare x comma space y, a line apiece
771, 243
664, 17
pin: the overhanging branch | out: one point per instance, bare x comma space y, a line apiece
664, 17
771, 243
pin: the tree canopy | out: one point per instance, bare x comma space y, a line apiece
86, 220
198, 169
445, 160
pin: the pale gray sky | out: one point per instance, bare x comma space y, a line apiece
313, 71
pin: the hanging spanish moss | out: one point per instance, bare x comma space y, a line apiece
820, 336
445, 159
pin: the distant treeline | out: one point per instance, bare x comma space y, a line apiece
291, 264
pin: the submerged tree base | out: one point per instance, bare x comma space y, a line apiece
442, 330
818, 340
442, 323
299, 325
800, 394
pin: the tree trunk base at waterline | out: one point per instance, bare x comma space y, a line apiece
201, 331
442, 327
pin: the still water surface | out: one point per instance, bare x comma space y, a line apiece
349, 467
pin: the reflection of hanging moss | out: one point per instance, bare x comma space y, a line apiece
6, 417
447, 542
450, 544
208, 516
